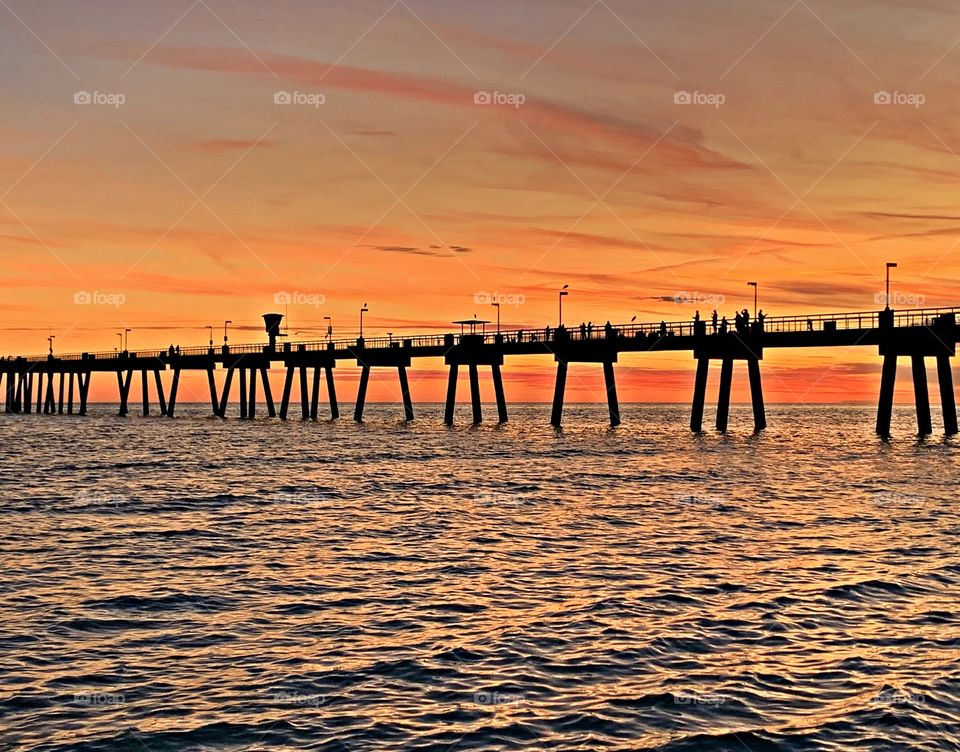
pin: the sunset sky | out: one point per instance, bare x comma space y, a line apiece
188, 191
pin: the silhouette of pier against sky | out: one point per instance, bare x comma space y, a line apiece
28, 382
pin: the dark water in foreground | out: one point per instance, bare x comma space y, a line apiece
195, 584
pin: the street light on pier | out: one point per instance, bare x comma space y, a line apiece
755, 287
210, 329
563, 292
225, 325
890, 265
126, 339
362, 311
120, 335
50, 339
497, 306
329, 328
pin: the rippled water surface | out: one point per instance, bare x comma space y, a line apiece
205, 584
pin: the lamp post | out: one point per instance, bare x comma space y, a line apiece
50, 339
497, 306
890, 265
120, 335
329, 328
126, 339
363, 310
225, 325
755, 287
210, 330
560, 296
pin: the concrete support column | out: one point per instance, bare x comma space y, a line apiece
28, 394
947, 397
612, 403
498, 392
699, 395
556, 417
756, 393
315, 396
362, 394
70, 395
285, 397
268, 393
723, 400
405, 393
451, 394
304, 395
243, 393
60, 393
252, 394
124, 385
160, 398
174, 388
475, 393
84, 390
214, 401
888, 379
332, 395
225, 398
921, 396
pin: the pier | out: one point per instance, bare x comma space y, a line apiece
59, 384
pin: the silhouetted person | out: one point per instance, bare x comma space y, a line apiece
809, 325
663, 328
583, 330
546, 334
714, 318
760, 317
608, 328
519, 335
723, 325
171, 351
589, 328
696, 317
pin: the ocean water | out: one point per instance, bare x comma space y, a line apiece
205, 584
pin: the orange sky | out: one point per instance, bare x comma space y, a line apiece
200, 198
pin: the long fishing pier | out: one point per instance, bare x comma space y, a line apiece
47, 384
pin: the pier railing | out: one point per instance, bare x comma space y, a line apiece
820, 322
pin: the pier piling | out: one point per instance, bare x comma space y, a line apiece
947, 397
361, 394
611, 384
451, 394
756, 394
888, 379
498, 393
922, 396
405, 393
556, 416
723, 399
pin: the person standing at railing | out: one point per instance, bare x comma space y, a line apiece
583, 330
723, 325
714, 319
760, 317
